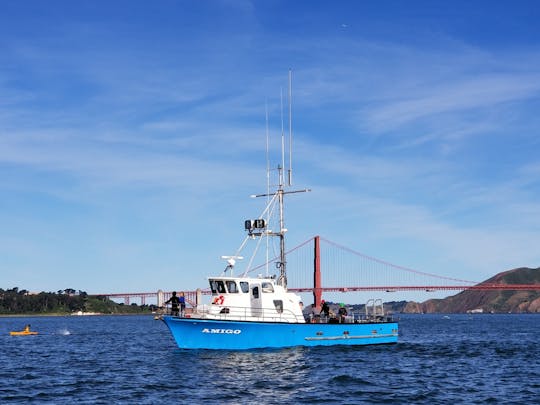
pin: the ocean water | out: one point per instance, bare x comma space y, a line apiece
134, 360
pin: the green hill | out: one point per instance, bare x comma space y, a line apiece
496, 301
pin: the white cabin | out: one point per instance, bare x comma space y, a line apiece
250, 299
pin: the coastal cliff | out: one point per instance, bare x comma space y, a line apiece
488, 301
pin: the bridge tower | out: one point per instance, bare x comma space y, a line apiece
317, 288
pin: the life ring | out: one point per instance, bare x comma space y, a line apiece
219, 300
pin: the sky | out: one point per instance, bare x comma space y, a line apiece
132, 134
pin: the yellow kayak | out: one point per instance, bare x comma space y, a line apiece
22, 333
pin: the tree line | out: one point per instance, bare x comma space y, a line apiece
15, 301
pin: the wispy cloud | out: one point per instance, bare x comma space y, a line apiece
482, 91
423, 148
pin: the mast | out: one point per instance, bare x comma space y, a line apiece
282, 263
258, 227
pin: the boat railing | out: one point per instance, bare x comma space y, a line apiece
166, 309
352, 317
245, 314
362, 317
373, 313
374, 308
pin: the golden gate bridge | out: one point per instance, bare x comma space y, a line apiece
319, 265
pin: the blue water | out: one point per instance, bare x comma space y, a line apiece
133, 360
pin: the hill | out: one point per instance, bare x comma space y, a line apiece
491, 301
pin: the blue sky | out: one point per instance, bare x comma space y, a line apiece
133, 132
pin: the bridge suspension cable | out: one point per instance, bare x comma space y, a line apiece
355, 271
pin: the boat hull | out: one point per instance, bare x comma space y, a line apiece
193, 333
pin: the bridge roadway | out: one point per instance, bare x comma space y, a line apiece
191, 296
317, 289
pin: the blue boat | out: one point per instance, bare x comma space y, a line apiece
194, 333
259, 312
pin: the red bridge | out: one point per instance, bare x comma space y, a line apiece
354, 272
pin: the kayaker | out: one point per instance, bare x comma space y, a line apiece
27, 328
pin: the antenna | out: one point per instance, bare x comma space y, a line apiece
267, 153
290, 127
267, 182
282, 144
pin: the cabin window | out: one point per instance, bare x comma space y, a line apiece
231, 287
217, 286
244, 286
267, 288
279, 306
255, 291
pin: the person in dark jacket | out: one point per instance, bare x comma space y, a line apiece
325, 308
175, 301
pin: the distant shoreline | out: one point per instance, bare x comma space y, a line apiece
151, 314
70, 315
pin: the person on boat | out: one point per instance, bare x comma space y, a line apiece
325, 308
311, 314
342, 312
175, 301
182, 302
27, 328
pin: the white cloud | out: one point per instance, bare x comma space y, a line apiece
469, 93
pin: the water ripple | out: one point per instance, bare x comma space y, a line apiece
103, 360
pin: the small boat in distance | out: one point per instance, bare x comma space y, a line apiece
25, 332
259, 312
